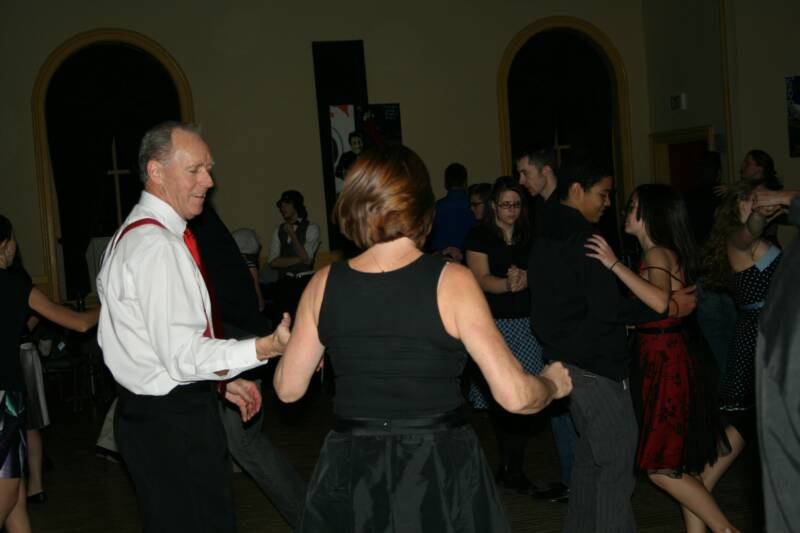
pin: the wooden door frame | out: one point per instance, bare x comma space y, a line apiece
48, 206
659, 148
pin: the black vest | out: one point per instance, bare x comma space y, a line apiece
287, 250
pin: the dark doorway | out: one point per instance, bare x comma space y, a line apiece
685, 163
104, 94
561, 94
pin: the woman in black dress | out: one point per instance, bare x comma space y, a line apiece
18, 299
396, 324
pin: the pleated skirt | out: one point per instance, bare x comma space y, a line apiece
420, 482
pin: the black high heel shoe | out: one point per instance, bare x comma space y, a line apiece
39, 497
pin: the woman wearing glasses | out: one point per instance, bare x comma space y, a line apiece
497, 253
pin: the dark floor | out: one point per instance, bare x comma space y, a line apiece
89, 494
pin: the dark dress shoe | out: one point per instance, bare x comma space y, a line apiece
512, 480
108, 455
39, 497
555, 493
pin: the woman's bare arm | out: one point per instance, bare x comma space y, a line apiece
466, 316
304, 351
655, 289
63, 316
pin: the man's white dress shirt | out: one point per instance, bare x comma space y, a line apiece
155, 309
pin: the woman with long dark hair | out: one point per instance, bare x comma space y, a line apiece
18, 298
497, 254
397, 325
681, 433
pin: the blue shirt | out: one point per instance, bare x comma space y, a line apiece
453, 220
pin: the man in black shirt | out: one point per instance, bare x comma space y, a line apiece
536, 168
579, 316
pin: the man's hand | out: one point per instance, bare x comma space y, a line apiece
559, 375
274, 344
720, 190
289, 228
684, 300
245, 395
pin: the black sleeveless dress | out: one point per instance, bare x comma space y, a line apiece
384, 467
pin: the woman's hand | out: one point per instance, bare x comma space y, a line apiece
559, 375
782, 198
601, 251
769, 212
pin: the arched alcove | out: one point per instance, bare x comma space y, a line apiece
620, 141
48, 201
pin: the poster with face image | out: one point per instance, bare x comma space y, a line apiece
355, 128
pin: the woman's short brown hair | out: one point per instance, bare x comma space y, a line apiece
387, 195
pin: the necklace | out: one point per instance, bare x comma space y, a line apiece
375, 260
398, 260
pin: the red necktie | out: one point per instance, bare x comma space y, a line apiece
216, 319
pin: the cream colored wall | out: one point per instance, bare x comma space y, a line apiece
684, 54
765, 35
762, 55
250, 68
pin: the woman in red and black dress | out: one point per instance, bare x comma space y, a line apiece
681, 431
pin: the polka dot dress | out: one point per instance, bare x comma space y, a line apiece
517, 334
749, 290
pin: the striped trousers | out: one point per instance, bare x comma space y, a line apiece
603, 473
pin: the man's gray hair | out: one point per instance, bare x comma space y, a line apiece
157, 143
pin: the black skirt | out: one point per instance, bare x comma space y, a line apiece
417, 481
13, 447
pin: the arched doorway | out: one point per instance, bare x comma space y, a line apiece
562, 83
93, 99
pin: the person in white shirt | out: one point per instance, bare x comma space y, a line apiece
292, 249
157, 333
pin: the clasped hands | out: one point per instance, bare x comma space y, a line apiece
244, 393
516, 279
274, 344
771, 204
